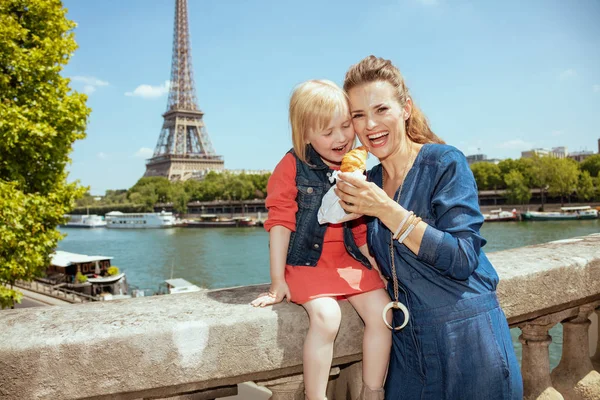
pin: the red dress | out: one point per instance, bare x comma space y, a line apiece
337, 273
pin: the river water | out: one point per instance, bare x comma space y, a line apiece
225, 257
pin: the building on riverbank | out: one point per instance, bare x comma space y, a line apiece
557, 152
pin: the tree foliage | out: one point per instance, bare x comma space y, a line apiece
487, 175
40, 118
150, 191
591, 165
563, 174
516, 187
585, 186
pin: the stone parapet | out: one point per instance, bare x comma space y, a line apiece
168, 345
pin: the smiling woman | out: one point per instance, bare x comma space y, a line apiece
425, 237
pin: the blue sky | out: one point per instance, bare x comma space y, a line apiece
492, 77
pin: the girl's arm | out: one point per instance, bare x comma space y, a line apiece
279, 240
282, 206
364, 249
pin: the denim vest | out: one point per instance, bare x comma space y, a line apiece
306, 243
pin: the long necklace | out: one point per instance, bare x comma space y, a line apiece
396, 304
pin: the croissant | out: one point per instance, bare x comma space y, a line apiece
355, 160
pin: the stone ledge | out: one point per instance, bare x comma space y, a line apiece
161, 346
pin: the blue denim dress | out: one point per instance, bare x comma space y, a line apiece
457, 344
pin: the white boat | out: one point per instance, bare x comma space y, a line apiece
180, 286
117, 219
84, 221
500, 216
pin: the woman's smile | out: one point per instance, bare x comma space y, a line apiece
378, 139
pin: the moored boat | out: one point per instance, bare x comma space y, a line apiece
211, 221
501, 216
565, 214
178, 285
84, 221
119, 220
244, 221
92, 276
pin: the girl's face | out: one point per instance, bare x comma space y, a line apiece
378, 118
335, 140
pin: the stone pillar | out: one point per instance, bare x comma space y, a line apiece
349, 383
596, 357
574, 376
288, 388
535, 361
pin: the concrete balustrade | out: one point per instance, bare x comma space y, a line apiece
205, 343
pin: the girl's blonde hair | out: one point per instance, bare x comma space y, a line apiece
373, 69
312, 106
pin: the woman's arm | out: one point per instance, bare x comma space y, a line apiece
453, 245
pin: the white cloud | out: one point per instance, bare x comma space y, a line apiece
567, 74
90, 83
89, 89
596, 88
150, 92
144, 152
89, 80
515, 144
556, 133
102, 156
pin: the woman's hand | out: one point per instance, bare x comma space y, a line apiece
364, 198
276, 293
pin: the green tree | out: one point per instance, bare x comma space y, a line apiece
597, 195
564, 173
213, 185
260, 184
480, 173
542, 168
180, 197
516, 188
591, 165
40, 119
239, 187
585, 186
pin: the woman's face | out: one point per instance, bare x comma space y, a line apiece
378, 118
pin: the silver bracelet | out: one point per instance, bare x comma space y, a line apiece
406, 217
405, 234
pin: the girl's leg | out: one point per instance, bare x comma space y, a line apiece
325, 316
377, 341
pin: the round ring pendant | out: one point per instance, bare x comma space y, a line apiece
396, 305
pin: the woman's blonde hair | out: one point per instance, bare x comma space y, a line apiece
312, 106
373, 69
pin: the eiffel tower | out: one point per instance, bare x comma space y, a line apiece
184, 149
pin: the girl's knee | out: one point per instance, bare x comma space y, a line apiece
326, 318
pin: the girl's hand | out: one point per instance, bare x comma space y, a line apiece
365, 198
276, 293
